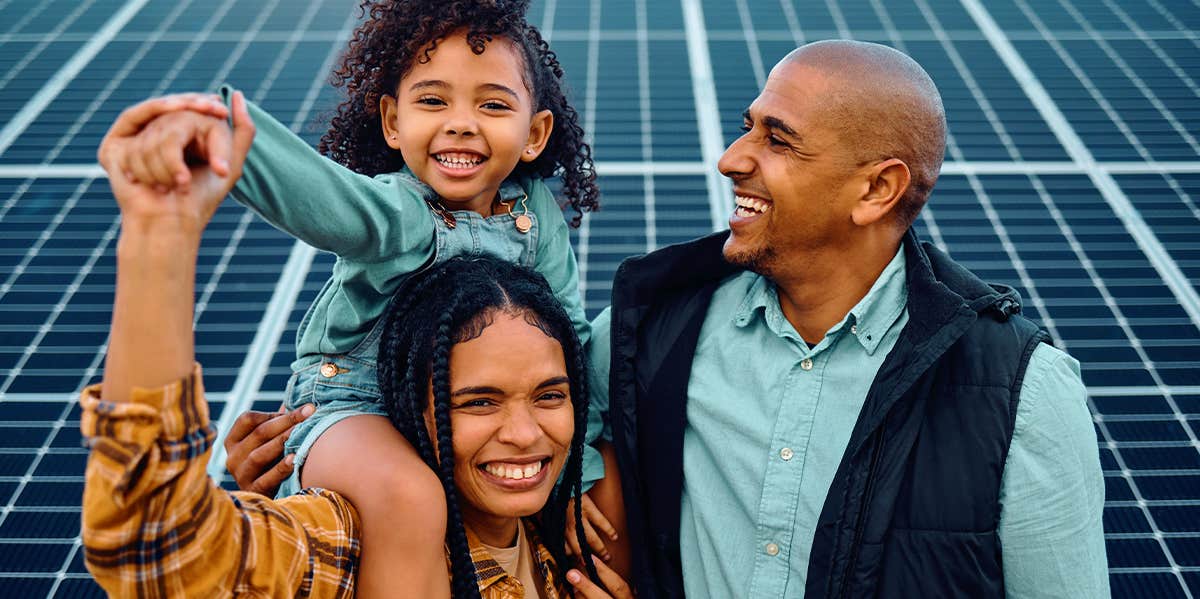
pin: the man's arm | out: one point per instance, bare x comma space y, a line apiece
153, 523
1052, 494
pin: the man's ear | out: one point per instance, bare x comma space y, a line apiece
539, 135
886, 184
387, 114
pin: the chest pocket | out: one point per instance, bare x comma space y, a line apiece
495, 236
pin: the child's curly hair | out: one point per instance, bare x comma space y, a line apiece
383, 49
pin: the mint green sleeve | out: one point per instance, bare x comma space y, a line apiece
556, 257
326, 205
556, 262
599, 352
1052, 493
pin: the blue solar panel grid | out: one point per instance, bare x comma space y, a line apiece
1072, 173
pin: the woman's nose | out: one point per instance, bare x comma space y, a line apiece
520, 427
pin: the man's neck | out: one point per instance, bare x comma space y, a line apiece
822, 292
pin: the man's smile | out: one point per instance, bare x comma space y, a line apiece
748, 206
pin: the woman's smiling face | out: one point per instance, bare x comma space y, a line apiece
511, 418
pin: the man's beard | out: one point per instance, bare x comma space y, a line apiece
758, 260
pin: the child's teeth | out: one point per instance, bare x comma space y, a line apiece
458, 160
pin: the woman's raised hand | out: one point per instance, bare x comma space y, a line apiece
176, 157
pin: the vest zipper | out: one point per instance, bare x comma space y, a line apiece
862, 510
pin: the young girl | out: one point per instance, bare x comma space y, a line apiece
455, 115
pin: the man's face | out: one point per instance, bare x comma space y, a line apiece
791, 173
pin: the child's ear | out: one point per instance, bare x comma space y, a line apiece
387, 114
539, 135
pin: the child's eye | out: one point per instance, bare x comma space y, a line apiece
431, 101
495, 106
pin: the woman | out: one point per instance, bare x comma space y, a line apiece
482, 377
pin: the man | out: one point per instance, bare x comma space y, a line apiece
815, 404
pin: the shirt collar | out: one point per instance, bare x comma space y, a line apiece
489, 573
867, 321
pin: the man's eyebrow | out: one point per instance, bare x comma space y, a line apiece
772, 122
780, 126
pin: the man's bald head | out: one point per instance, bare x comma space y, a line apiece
883, 105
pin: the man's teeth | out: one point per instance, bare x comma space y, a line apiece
514, 471
750, 206
458, 159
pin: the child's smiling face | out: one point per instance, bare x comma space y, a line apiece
462, 120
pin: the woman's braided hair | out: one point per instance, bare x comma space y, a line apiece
398, 32
450, 303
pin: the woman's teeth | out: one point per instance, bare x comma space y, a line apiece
458, 160
514, 471
750, 206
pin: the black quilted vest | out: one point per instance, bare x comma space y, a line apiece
913, 508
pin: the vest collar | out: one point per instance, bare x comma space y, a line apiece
944, 300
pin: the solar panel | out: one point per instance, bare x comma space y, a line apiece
1072, 173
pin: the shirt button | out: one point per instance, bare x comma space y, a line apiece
853, 329
329, 370
772, 549
806, 364
786, 453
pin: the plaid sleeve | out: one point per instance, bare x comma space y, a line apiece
155, 525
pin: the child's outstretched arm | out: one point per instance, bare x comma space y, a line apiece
153, 523
327, 205
296, 189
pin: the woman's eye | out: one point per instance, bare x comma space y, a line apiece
775, 141
746, 128
475, 403
552, 397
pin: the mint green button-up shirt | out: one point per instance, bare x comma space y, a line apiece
769, 419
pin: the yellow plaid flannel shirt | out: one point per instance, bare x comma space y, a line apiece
496, 583
155, 525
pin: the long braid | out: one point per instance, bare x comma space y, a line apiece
463, 581
575, 463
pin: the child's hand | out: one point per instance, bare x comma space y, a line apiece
592, 520
617, 587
